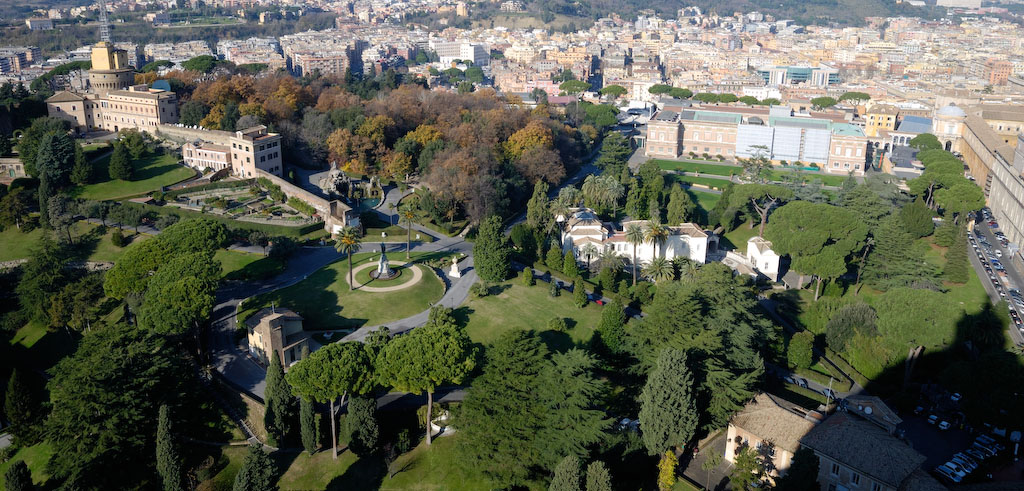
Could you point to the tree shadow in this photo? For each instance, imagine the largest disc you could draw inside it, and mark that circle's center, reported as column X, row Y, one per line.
column 367, row 473
column 978, row 365
column 557, row 341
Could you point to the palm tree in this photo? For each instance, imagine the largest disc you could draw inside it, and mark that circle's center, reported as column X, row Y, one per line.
column 590, row 251
column 348, row 243
column 406, row 213
column 614, row 190
column 686, row 266
column 609, row 258
column 659, row 269
column 635, row 236
column 656, row 234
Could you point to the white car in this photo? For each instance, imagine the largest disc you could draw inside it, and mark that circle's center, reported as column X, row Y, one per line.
column 948, row 474
column 966, row 462
column 955, row 469
column 944, row 425
column 955, row 397
column 999, row 253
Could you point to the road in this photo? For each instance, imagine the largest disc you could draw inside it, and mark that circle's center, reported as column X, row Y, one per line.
column 997, row 290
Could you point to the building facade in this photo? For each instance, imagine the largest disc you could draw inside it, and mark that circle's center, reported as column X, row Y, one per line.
column 242, row 151
column 113, row 102
column 276, row 330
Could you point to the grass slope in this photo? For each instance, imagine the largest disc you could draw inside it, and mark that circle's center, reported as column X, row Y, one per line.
column 519, row 307
column 151, row 172
column 35, row 458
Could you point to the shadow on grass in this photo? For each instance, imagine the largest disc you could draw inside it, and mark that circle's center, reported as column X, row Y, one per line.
column 367, row 473
column 558, row 341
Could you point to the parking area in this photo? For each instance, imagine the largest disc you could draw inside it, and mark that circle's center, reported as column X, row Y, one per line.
column 935, row 444
column 991, row 258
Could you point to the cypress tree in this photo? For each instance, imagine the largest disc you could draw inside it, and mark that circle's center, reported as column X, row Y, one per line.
column 120, row 166
column 569, row 266
column 81, row 172
column 668, row 411
column 492, row 255
column 610, row 331
column 554, row 259
column 956, row 269
column 598, row 477
column 279, row 402
column 5, row 144
column 894, row 261
column 579, row 294
column 361, row 425
column 681, row 208
column 917, row 218
column 309, row 421
column 23, row 406
column 18, row 477
column 257, row 472
column 567, row 475
column 168, row 460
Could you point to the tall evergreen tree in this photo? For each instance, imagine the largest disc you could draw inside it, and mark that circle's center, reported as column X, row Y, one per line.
column 538, row 214
column 23, row 405
column 280, row 404
column 956, row 269
column 257, row 472
column 610, row 334
column 120, row 166
column 573, row 421
column 668, row 410
column 168, row 459
column 567, row 475
column 309, row 421
column 18, row 477
column 894, row 261
column 5, row 144
column 917, row 218
column 81, row 171
column 681, row 208
column 500, row 414
column 361, row 425
column 569, row 265
column 492, row 255
column 598, row 477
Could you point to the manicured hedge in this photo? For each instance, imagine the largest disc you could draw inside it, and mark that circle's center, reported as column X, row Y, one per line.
column 171, row 195
column 279, row 230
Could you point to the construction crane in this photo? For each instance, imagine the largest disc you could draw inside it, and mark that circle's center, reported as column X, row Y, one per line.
column 104, row 22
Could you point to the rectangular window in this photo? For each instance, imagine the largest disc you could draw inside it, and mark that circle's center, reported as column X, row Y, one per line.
column 835, row 469
column 876, row 487
column 855, row 479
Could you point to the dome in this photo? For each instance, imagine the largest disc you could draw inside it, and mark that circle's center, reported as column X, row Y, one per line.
column 951, row 111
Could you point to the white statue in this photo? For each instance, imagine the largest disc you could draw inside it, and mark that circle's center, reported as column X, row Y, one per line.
column 455, row 273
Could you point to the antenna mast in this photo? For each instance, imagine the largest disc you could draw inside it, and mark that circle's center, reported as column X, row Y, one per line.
column 104, row 23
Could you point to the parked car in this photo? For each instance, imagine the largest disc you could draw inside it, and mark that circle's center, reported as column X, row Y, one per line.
column 944, row 425
column 976, row 454
column 964, row 461
column 989, row 452
column 933, row 419
column 989, row 442
column 955, row 397
column 918, row 409
column 802, row 382
column 999, row 253
column 831, row 394
column 947, row 474
column 957, row 468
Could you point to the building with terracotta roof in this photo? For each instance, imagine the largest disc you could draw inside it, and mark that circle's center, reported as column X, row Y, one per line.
column 583, row 227
column 113, row 102
column 276, row 330
column 770, row 420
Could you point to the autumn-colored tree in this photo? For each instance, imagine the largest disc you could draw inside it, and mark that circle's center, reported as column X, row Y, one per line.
column 335, row 98
column 424, row 134
column 538, row 163
column 534, row 135
column 396, row 165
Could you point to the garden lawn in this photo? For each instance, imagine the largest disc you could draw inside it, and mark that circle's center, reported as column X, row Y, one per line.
column 35, row 458
column 325, row 301
column 705, row 202
column 151, row 173
column 374, row 226
column 519, row 307
column 17, row 245
column 434, row 468
column 729, row 170
column 320, row 471
column 236, row 265
column 739, row 237
column 711, row 182
column 29, row 334
column 225, row 479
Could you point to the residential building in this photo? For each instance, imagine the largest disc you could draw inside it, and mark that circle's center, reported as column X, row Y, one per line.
column 769, row 420
column 997, row 72
column 39, row 24
column 113, row 103
column 276, row 330
column 242, row 151
column 856, row 454
column 449, row 52
column 664, row 135
column 880, row 117
column 11, row 168
column 583, row 227
column 763, row 259
column 791, row 75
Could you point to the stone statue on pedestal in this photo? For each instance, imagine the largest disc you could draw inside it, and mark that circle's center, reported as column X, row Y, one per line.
column 455, row 273
column 384, row 271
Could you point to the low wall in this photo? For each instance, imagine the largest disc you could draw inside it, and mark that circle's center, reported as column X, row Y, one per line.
column 335, row 213
column 182, row 134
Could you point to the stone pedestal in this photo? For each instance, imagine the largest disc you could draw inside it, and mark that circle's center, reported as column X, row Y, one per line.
column 454, row 272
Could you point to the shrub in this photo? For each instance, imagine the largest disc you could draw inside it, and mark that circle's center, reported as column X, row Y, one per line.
column 479, row 290
column 528, row 279
column 117, row 238
column 554, row 290
column 302, row 206
column 705, row 155
column 579, row 295
column 719, row 157
column 557, row 324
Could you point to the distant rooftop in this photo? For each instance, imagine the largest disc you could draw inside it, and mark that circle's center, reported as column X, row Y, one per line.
column 915, row 124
